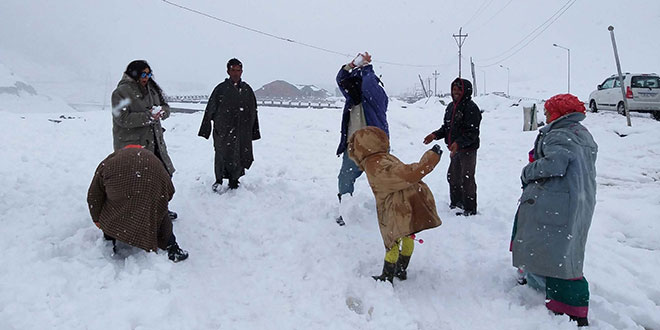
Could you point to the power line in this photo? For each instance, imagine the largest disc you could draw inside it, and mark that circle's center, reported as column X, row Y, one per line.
column 531, row 33
column 253, row 30
column 291, row 40
column 483, row 6
column 544, row 26
column 493, row 16
column 527, row 43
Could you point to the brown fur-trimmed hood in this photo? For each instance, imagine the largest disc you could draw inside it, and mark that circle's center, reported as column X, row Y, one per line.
column 366, row 142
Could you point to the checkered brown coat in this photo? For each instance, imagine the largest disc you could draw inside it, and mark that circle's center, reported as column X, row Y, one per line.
column 128, row 197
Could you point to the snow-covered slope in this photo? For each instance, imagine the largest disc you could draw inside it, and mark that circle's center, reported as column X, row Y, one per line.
column 270, row 255
column 16, row 95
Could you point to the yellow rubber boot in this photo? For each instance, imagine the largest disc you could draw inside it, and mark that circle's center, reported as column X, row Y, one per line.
column 407, row 247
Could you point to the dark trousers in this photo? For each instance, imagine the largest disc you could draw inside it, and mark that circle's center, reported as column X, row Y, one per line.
column 165, row 234
column 227, row 169
column 462, row 186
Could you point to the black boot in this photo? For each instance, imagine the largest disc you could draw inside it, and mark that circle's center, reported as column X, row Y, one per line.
column 466, row 213
column 114, row 242
column 233, row 183
column 456, row 205
column 340, row 219
column 175, row 253
column 216, row 186
column 401, row 266
column 388, row 272
column 581, row 321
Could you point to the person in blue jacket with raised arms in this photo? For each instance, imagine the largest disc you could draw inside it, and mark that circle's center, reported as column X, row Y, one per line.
column 366, row 105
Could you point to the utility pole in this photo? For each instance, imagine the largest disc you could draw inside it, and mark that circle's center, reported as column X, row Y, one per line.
column 508, row 75
column 484, row 72
column 460, row 39
column 422, row 82
column 474, row 78
column 569, row 64
column 618, row 67
column 428, row 80
column 435, row 87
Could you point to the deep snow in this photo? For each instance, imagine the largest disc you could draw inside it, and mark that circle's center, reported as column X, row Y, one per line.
column 270, row 255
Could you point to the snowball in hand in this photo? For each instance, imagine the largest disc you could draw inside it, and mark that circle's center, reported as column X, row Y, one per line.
column 156, row 110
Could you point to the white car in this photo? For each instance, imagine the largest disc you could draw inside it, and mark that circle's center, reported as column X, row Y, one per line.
column 642, row 92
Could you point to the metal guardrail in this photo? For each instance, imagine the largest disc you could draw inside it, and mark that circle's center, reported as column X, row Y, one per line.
column 267, row 103
column 184, row 110
column 299, row 104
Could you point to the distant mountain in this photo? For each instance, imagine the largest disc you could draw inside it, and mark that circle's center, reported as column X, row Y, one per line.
column 14, row 85
column 311, row 91
column 18, row 96
column 282, row 90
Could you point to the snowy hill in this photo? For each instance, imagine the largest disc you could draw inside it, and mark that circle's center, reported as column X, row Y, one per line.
column 18, row 96
column 270, row 256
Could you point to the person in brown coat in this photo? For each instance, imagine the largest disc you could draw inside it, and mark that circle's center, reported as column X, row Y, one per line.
column 404, row 203
column 128, row 200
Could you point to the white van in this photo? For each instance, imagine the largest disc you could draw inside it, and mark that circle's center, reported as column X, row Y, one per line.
column 642, row 92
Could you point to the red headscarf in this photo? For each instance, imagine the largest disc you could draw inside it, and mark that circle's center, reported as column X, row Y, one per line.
column 562, row 104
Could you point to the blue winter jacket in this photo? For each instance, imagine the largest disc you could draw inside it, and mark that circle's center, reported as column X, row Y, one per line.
column 558, row 200
column 374, row 102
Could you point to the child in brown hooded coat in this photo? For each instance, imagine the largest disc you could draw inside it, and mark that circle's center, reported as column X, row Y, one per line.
column 404, row 203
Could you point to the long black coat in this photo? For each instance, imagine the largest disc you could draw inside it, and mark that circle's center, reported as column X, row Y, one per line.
column 233, row 111
column 461, row 121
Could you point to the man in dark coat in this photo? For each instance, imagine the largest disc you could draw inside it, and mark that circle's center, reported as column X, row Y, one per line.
column 460, row 130
column 233, row 109
column 128, row 200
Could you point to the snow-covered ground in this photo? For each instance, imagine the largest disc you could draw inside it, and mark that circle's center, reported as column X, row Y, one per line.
column 270, row 255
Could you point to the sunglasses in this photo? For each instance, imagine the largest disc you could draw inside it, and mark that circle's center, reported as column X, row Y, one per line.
column 146, row 75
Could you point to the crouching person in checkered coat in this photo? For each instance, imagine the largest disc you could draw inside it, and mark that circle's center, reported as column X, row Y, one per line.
column 128, row 200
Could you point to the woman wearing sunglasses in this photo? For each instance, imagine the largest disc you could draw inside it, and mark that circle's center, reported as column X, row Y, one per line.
column 138, row 107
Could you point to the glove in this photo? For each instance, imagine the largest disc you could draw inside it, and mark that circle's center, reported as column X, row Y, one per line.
column 531, row 156
column 436, row 149
column 429, row 138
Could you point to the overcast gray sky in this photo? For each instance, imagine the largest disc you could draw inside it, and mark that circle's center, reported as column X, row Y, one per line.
column 91, row 42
